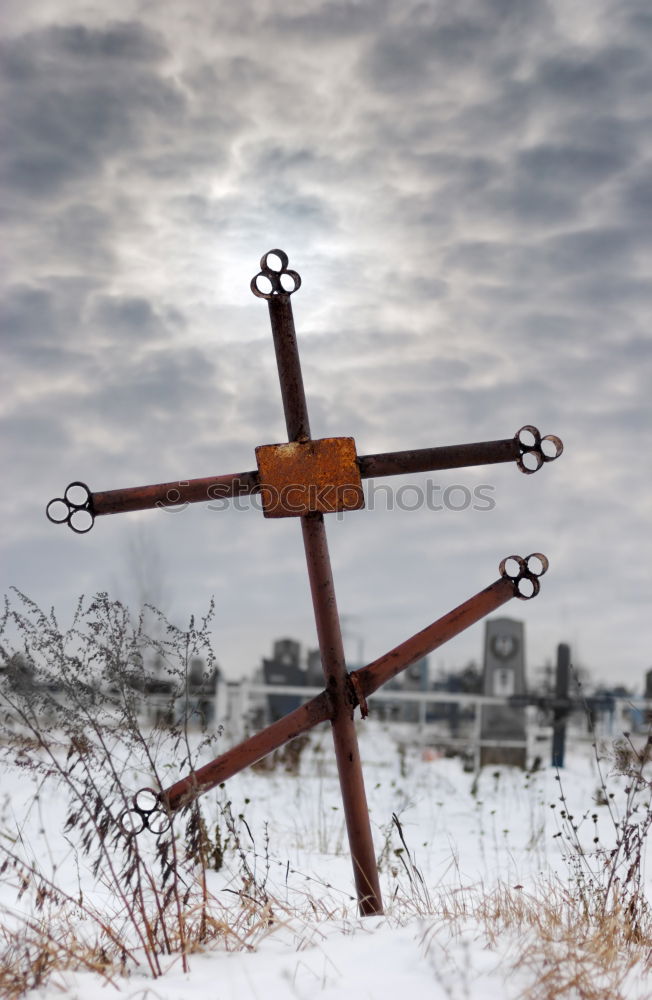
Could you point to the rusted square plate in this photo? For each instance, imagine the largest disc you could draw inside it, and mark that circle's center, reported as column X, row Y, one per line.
column 305, row 476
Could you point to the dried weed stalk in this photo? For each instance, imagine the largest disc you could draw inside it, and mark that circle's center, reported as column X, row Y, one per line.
column 71, row 712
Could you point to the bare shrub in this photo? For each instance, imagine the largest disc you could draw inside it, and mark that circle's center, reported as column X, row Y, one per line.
column 71, row 712
column 607, row 878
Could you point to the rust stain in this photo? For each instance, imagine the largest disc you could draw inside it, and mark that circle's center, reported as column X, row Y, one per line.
column 306, row 477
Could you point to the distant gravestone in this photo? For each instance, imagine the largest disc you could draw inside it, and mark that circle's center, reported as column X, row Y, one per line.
column 503, row 737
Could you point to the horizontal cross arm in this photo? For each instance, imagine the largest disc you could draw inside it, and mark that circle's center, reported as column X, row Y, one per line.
column 527, row 448
column 398, row 463
column 174, row 494
column 78, row 507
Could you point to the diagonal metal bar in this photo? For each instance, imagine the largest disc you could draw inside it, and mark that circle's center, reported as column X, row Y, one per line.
column 360, row 685
column 368, row 679
column 318, row 709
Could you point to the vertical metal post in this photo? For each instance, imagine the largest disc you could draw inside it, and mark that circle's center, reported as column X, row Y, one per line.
column 560, row 712
column 293, row 393
column 329, row 632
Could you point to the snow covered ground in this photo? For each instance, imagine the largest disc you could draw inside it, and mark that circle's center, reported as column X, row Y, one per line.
column 465, row 864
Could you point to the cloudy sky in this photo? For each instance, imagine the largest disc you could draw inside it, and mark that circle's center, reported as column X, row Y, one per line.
column 466, row 190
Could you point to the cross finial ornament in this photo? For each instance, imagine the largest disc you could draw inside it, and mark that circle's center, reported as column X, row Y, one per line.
column 308, row 478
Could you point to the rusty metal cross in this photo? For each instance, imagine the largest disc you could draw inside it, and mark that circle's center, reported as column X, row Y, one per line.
column 308, row 478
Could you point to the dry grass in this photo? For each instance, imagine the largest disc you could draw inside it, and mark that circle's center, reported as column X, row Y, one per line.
column 547, row 935
column 562, row 951
column 39, row 950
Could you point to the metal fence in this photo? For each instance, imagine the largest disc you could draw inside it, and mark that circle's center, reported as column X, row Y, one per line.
column 242, row 708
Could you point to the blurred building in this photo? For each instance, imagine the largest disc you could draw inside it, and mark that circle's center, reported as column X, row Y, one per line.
column 314, row 672
column 283, row 669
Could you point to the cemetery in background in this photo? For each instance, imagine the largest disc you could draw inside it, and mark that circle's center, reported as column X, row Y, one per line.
column 489, row 714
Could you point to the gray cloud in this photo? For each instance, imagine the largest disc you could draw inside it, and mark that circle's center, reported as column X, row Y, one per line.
column 466, row 194
column 76, row 99
column 133, row 316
